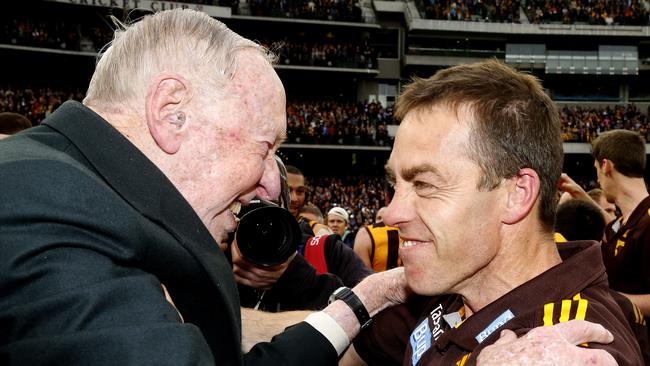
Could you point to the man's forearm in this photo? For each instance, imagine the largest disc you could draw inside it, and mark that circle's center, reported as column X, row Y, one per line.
column 260, row 326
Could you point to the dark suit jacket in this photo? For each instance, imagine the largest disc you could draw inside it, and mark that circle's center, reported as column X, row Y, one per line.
column 89, row 229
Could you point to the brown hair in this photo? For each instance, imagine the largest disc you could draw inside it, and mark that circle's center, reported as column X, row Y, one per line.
column 11, row 123
column 515, row 124
column 626, row 149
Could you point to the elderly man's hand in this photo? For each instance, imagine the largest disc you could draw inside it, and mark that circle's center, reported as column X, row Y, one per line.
column 381, row 290
column 249, row 274
column 555, row 345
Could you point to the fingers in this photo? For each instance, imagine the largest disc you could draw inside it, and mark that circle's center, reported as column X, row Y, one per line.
column 249, row 274
column 506, row 336
column 580, row 331
column 596, row 357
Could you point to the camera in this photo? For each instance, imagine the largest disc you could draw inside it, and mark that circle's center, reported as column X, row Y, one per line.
column 267, row 234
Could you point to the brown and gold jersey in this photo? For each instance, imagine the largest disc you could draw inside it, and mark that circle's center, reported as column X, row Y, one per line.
column 385, row 247
column 626, row 251
column 438, row 333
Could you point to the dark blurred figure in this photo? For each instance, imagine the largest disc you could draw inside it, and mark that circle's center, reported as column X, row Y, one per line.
column 579, row 220
column 11, row 123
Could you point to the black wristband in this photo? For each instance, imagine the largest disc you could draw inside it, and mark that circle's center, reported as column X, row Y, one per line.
column 355, row 304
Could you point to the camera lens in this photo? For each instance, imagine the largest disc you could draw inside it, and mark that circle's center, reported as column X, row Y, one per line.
column 267, row 234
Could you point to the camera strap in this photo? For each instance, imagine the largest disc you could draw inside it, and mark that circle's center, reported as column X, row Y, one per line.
column 259, row 299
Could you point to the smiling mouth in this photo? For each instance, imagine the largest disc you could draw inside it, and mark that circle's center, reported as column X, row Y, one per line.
column 410, row 243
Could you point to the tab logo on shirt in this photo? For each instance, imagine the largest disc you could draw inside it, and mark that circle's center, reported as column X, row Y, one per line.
column 436, row 316
column 496, row 324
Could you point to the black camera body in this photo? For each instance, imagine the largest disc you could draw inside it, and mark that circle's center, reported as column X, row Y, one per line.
column 267, row 234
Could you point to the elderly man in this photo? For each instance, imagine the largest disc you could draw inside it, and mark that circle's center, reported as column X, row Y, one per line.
column 475, row 164
column 111, row 199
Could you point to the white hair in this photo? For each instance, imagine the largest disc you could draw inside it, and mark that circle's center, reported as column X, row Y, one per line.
column 182, row 41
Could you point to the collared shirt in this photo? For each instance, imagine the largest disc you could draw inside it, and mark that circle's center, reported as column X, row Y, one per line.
column 575, row 289
column 626, row 251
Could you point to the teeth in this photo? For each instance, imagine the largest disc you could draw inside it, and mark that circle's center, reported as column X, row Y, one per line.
column 408, row 243
column 235, row 207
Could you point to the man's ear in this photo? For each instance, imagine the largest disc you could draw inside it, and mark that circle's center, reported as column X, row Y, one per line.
column 523, row 190
column 607, row 167
column 166, row 98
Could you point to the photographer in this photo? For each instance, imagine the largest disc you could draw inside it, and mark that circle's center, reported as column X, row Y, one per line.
column 271, row 276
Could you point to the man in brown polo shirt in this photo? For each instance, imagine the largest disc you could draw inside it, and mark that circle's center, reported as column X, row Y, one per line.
column 475, row 166
column 620, row 164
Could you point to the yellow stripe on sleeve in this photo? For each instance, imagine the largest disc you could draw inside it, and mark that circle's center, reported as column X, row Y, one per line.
column 548, row 314
column 565, row 311
column 582, row 309
column 463, row 360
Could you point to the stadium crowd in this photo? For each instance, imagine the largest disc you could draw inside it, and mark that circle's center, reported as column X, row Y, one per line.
column 23, row 31
column 349, row 123
column 584, row 124
column 360, row 196
column 606, row 12
column 470, row 10
column 343, row 11
column 45, row 32
column 610, row 12
column 329, row 54
column 37, row 103
column 330, row 122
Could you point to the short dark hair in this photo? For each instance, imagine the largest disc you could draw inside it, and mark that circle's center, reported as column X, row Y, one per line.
column 579, row 220
column 293, row 170
column 626, row 149
column 515, row 124
column 11, row 123
column 311, row 208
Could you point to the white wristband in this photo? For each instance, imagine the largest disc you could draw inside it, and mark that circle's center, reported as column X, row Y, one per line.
column 329, row 328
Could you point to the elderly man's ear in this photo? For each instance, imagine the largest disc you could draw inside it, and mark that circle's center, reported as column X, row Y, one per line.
column 523, row 190
column 166, row 98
